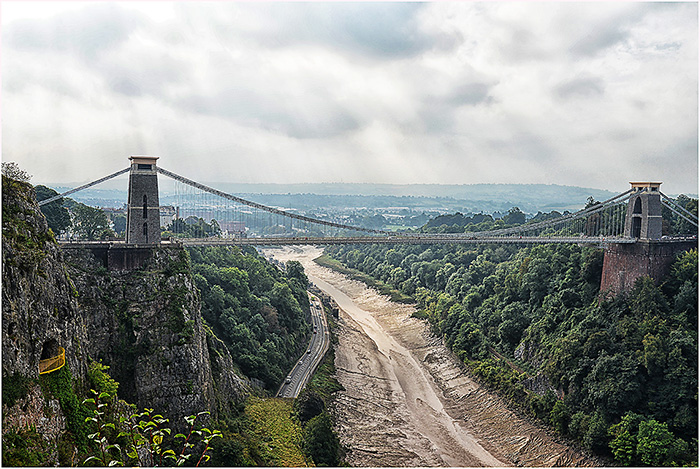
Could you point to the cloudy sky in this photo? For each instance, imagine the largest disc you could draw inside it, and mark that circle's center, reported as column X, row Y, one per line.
column 587, row 94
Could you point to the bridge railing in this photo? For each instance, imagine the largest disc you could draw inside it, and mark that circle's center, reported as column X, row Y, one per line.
column 54, row 363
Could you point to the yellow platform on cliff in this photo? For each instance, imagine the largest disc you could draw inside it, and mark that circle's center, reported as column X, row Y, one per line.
column 54, row 363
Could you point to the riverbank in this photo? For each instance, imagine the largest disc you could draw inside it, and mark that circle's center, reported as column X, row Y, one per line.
column 407, row 400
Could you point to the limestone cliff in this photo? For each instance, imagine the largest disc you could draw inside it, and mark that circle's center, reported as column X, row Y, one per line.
column 39, row 305
column 145, row 323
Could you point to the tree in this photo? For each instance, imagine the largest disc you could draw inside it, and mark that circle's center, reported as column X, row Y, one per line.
column 624, row 442
column 89, row 222
column 119, row 222
column 654, row 442
column 296, row 271
column 12, row 170
column 320, row 441
column 514, row 217
column 559, row 417
column 56, row 214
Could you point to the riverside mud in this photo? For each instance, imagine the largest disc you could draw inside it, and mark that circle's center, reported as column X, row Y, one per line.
column 407, row 399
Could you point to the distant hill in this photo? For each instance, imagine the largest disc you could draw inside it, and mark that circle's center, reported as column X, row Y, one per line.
column 459, row 197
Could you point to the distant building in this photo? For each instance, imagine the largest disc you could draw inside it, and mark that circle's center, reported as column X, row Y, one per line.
column 232, row 228
column 168, row 213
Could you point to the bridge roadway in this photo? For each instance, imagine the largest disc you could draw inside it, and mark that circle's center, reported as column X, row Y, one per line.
column 403, row 239
column 306, row 365
column 399, row 239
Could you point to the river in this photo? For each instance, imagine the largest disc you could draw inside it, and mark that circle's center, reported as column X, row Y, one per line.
column 407, row 401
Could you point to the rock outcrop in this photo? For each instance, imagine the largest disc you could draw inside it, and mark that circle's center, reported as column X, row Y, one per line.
column 146, row 324
column 39, row 301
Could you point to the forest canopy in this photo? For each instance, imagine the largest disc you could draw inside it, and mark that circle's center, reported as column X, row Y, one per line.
column 620, row 372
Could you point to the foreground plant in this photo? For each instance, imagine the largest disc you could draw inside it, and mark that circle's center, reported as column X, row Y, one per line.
column 145, row 438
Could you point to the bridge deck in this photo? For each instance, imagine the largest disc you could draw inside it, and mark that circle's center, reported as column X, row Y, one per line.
column 278, row 241
column 399, row 239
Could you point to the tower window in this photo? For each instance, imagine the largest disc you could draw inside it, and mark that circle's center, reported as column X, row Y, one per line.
column 144, row 166
column 637, row 206
column 145, row 206
column 145, row 232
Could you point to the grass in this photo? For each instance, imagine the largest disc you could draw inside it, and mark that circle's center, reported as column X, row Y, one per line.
column 323, row 381
column 333, row 264
column 279, row 432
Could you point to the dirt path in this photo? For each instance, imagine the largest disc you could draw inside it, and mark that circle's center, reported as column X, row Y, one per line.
column 407, row 400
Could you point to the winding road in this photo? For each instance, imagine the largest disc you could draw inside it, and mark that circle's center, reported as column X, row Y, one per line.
column 306, row 365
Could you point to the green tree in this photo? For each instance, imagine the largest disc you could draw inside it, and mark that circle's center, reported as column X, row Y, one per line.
column 321, row 442
column 12, row 170
column 624, row 438
column 119, row 222
column 559, row 417
column 514, row 217
column 296, row 271
column 654, row 443
column 56, row 214
column 89, row 222
column 596, row 438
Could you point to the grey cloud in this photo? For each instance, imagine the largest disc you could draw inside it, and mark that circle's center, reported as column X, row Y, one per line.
column 126, row 86
column 140, row 72
column 600, row 38
column 525, row 145
column 379, row 30
column 471, row 94
column 616, row 29
column 438, row 111
column 583, row 87
column 668, row 46
column 85, row 32
column 524, row 45
column 315, row 117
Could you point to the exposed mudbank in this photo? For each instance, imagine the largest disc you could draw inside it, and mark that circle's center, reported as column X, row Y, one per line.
column 407, row 400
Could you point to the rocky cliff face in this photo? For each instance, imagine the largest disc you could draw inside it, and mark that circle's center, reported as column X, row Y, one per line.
column 39, row 305
column 145, row 324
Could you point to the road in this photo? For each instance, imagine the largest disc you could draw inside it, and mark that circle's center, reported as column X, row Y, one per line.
column 305, row 367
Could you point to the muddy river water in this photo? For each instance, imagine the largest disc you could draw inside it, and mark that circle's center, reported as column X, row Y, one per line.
column 407, row 400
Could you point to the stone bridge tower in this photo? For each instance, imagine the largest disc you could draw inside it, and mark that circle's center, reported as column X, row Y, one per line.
column 651, row 255
column 143, row 209
column 643, row 219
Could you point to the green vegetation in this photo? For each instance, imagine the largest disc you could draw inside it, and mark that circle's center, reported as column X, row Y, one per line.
column 143, row 439
column 256, row 310
column 24, row 448
column 514, row 314
column 192, row 228
column 272, row 421
column 100, row 380
column 59, row 384
column 15, row 387
column 383, row 288
column 22, row 239
column 11, row 170
column 56, row 214
column 320, row 441
column 90, row 222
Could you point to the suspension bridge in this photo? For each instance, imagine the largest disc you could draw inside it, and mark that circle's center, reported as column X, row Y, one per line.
column 211, row 217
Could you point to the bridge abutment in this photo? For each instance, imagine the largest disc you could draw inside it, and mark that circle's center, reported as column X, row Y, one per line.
column 623, row 264
column 651, row 255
